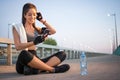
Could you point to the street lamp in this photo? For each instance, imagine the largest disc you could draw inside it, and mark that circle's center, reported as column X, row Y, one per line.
column 116, row 37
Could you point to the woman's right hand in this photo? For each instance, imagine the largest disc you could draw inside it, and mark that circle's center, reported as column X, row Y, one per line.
column 39, row 16
column 38, row 39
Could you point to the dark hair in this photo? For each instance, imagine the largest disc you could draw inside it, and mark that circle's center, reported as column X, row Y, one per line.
column 26, row 8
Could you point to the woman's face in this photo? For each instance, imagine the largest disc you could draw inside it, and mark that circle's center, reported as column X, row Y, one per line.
column 30, row 16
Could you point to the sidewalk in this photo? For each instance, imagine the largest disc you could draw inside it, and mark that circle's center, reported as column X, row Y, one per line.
column 99, row 68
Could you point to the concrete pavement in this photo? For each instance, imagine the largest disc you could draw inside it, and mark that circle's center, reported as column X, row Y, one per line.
column 99, row 68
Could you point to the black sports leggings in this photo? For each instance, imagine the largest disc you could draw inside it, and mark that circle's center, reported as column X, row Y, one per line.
column 26, row 56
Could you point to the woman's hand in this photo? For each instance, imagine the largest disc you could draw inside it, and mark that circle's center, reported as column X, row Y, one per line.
column 39, row 16
column 48, row 26
column 38, row 39
column 41, row 38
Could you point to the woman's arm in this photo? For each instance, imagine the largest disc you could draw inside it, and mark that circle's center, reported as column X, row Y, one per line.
column 52, row 30
column 17, row 42
column 40, row 18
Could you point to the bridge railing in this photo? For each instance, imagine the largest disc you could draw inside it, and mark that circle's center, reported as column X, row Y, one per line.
column 9, row 49
column 42, row 50
column 48, row 49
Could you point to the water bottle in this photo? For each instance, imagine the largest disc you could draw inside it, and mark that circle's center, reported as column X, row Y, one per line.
column 83, row 64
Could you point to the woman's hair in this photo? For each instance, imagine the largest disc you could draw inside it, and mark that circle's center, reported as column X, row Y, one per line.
column 26, row 8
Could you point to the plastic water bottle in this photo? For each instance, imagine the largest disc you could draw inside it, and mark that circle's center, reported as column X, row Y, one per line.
column 83, row 64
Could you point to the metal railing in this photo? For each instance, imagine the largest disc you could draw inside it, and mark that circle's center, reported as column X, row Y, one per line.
column 10, row 54
column 42, row 51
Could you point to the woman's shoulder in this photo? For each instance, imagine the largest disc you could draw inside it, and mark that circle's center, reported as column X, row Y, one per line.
column 19, row 27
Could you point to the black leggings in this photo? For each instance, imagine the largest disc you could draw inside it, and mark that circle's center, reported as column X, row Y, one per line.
column 26, row 56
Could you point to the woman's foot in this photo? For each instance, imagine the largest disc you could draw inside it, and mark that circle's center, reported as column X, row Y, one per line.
column 62, row 68
column 57, row 69
column 29, row 71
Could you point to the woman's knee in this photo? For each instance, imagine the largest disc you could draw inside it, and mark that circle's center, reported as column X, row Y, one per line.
column 25, row 57
column 61, row 55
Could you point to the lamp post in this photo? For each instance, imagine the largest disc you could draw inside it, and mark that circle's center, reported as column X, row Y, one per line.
column 116, row 37
column 8, row 30
column 9, row 24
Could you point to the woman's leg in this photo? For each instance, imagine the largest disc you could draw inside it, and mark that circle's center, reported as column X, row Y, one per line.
column 28, row 59
column 38, row 64
column 55, row 59
column 19, row 67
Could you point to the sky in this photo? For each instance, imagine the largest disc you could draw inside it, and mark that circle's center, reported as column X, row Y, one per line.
column 80, row 24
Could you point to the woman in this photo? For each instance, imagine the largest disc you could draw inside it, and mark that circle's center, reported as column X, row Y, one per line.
column 27, row 36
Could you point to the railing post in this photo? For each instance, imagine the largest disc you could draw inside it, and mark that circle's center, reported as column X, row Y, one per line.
column 52, row 51
column 68, row 54
column 9, row 54
column 43, row 52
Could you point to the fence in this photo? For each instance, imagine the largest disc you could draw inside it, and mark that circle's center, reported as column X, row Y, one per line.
column 42, row 50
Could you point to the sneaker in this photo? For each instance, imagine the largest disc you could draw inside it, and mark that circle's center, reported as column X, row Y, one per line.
column 27, row 70
column 62, row 68
column 30, row 71
column 35, row 71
